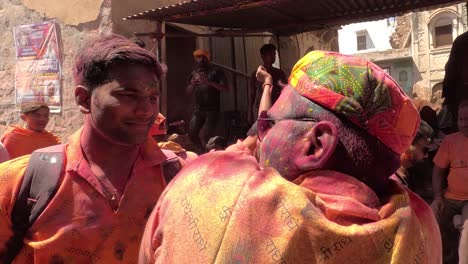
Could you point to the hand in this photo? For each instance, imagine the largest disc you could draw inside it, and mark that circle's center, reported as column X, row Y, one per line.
column 262, row 75
column 437, row 205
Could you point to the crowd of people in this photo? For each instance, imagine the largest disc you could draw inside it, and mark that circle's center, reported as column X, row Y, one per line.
column 339, row 166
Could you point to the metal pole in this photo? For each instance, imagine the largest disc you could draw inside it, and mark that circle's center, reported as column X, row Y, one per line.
column 233, row 54
column 164, row 60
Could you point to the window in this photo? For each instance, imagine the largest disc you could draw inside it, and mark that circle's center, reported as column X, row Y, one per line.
column 361, row 42
column 443, row 35
column 443, row 27
column 403, row 76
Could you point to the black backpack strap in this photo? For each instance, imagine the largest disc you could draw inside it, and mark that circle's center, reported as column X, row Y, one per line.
column 171, row 166
column 39, row 185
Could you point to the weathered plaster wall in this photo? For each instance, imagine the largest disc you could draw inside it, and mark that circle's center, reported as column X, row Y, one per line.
column 74, row 12
column 429, row 60
column 402, row 31
column 14, row 13
column 376, row 32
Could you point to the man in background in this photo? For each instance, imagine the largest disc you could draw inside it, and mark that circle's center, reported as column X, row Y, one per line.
column 206, row 82
column 451, row 165
column 21, row 141
column 268, row 54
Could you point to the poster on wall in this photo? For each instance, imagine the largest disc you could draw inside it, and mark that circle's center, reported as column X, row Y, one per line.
column 38, row 64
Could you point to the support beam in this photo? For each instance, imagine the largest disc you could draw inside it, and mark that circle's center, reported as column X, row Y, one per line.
column 191, row 35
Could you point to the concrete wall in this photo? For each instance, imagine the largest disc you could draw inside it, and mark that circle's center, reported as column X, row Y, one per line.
column 377, row 33
column 413, row 31
column 401, row 37
column 395, row 60
column 75, row 27
column 397, row 69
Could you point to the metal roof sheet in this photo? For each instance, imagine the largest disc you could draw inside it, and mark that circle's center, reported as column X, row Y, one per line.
column 282, row 17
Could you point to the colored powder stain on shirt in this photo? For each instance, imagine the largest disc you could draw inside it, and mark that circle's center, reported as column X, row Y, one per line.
column 21, row 141
column 452, row 155
column 79, row 224
column 321, row 217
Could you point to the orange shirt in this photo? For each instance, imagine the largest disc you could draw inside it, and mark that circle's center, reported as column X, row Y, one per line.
column 21, row 141
column 453, row 155
column 223, row 208
column 79, row 225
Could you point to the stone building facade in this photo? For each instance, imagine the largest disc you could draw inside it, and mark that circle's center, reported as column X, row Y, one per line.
column 420, row 47
column 431, row 37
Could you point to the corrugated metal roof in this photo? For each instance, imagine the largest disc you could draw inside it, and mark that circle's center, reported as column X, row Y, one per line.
column 283, row 17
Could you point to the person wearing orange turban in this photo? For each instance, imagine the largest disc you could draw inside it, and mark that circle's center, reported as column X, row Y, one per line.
column 206, row 84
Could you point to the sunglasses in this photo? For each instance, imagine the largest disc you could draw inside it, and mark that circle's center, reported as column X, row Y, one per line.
column 264, row 123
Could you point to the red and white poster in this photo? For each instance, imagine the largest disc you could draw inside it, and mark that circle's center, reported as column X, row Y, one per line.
column 38, row 64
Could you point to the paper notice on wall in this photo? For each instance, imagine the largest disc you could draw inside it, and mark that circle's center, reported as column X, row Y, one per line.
column 38, row 64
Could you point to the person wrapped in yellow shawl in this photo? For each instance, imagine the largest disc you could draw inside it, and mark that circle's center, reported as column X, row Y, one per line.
column 320, row 192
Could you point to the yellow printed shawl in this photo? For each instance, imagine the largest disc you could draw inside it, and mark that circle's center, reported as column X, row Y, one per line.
column 223, row 208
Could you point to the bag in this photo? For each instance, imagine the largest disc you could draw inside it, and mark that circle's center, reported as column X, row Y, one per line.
column 34, row 195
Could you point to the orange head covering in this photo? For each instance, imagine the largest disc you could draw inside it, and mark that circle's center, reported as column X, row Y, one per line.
column 159, row 126
column 202, row 52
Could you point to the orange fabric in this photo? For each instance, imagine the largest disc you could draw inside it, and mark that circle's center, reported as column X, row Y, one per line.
column 21, row 141
column 453, row 155
column 202, row 52
column 79, row 225
column 159, row 126
column 226, row 209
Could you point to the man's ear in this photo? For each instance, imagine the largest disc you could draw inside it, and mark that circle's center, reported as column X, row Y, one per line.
column 83, row 99
column 23, row 117
column 317, row 147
